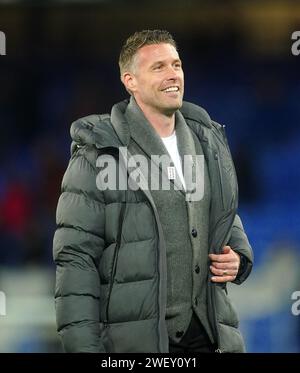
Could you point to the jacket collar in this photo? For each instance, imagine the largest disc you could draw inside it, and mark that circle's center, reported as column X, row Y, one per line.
column 119, row 122
column 185, row 139
column 142, row 132
column 195, row 113
column 102, row 131
column 188, row 111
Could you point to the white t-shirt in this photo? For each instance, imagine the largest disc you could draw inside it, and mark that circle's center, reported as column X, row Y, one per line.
column 170, row 143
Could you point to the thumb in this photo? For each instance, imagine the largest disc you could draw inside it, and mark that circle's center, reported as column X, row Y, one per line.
column 226, row 249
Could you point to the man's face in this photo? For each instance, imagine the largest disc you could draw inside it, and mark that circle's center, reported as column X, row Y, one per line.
column 157, row 80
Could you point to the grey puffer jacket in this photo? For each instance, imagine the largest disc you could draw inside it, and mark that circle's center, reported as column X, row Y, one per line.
column 110, row 251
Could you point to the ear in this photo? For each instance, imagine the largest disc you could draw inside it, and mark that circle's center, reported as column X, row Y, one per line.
column 129, row 81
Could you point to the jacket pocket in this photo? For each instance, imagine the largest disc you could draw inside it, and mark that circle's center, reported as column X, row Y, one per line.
column 231, row 339
column 226, row 313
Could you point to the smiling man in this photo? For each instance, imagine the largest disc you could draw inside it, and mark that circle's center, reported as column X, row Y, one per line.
column 141, row 269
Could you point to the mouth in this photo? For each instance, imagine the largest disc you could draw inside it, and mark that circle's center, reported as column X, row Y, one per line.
column 171, row 89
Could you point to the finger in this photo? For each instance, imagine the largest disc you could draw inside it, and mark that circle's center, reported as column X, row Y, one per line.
column 231, row 257
column 220, row 272
column 226, row 249
column 238, row 258
column 223, row 278
column 220, row 258
column 226, row 265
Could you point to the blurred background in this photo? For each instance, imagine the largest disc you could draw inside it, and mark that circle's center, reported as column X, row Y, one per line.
column 61, row 64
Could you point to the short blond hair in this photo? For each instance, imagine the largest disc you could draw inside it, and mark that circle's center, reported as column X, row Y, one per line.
column 137, row 41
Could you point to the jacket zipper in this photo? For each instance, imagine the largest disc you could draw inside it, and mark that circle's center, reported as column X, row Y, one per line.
column 115, row 261
column 219, row 165
column 227, row 146
column 160, row 263
column 220, row 180
column 159, row 228
column 225, row 137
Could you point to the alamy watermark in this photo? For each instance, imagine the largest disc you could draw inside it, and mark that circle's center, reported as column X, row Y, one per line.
column 136, row 172
column 296, row 305
column 296, row 45
column 2, row 44
column 2, row 304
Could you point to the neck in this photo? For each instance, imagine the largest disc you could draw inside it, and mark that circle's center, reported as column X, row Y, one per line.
column 163, row 124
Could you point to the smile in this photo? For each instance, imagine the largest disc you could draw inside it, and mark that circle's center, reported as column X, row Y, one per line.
column 171, row 89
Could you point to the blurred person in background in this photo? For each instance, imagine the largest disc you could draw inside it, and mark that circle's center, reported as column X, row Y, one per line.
column 146, row 270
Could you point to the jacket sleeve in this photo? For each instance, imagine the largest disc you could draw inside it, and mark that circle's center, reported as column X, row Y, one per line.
column 77, row 247
column 238, row 241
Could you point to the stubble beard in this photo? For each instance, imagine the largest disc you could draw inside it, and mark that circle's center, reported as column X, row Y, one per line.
column 171, row 109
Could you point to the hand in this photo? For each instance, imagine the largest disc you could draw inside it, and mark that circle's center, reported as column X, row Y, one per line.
column 225, row 266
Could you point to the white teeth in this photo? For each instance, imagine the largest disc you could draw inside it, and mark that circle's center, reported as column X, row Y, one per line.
column 171, row 89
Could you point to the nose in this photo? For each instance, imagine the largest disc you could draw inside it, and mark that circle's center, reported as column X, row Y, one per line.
column 172, row 73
